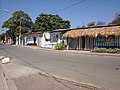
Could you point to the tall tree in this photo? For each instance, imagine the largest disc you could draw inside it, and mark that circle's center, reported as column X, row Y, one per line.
column 19, row 19
column 116, row 20
column 49, row 22
column 35, row 27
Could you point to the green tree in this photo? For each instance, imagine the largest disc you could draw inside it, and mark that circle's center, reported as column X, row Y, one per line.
column 116, row 20
column 35, row 28
column 91, row 24
column 19, row 19
column 49, row 22
column 2, row 37
column 10, row 33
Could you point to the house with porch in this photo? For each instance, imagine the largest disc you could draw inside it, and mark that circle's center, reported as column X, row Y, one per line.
column 88, row 38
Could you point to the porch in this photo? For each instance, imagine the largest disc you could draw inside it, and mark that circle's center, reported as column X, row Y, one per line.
column 95, row 37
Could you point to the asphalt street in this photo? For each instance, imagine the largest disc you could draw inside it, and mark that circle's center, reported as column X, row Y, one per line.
column 100, row 71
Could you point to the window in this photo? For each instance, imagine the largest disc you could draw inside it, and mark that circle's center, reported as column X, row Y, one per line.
column 55, row 38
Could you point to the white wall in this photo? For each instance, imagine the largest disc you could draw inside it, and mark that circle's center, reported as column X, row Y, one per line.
column 45, row 40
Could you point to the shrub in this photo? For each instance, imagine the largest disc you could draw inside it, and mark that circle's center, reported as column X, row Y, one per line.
column 100, row 50
column 59, row 46
column 117, row 50
column 111, row 50
column 104, row 50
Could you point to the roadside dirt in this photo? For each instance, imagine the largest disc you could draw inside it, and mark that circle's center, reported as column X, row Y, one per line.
column 42, row 82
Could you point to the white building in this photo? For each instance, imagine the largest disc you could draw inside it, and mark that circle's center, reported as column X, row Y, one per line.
column 42, row 39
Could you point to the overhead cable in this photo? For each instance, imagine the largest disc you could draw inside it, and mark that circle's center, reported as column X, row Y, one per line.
column 69, row 6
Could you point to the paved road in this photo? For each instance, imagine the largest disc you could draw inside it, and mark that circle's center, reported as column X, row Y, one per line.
column 100, row 71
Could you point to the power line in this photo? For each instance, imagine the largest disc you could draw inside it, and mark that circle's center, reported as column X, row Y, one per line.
column 91, row 5
column 69, row 6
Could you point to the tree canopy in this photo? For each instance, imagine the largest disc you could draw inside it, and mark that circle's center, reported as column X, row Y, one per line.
column 91, row 24
column 19, row 19
column 96, row 23
column 34, row 27
column 49, row 22
column 116, row 20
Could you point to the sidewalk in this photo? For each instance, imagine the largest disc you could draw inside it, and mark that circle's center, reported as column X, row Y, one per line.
column 91, row 53
column 73, row 51
column 3, row 82
column 1, row 79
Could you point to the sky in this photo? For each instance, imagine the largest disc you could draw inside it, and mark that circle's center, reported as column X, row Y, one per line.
column 79, row 15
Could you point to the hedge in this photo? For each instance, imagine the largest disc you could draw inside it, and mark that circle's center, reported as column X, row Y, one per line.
column 104, row 50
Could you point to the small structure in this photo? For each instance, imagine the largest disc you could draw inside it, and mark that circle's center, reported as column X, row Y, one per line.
column 88, row 38
column 34, row 38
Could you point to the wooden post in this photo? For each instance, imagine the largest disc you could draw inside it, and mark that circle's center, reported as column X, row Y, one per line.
column 67, row 44
column 78, row 43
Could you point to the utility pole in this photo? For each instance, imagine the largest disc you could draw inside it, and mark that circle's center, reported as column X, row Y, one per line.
column 20, row 34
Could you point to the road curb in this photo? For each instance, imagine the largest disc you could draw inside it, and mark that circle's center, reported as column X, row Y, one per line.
column 4, row 81
column 97, row 54
column 8, row 83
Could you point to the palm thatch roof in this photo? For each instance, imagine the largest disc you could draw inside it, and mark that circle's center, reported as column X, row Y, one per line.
column 93, row 32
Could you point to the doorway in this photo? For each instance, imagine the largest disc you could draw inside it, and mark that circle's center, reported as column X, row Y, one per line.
column 83, row 43
column 34, row 38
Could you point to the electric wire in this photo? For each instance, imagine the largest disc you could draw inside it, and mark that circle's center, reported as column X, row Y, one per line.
column 69, row 6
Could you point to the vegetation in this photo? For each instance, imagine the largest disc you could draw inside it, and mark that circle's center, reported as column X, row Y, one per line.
column 59, row 46
column 21, row 23
column 18, row 20
column 104, row 50
column 96, row 23
column 100, row 23
column 34, row 27
column 91, row 24
column 2, row 37
column 49, row 22
column 116, row 20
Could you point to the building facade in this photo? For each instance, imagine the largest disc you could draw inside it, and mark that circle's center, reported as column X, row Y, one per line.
column 93, row 37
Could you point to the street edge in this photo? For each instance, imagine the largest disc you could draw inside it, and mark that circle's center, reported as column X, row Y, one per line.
column 72, row 51
column 4, row 81
column 8, row 83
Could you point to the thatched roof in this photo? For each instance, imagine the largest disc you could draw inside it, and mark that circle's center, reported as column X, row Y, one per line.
column 93, row 32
